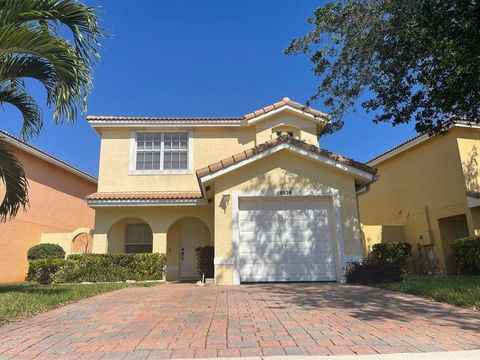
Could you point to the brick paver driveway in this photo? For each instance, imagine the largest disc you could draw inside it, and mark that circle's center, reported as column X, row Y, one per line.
column 181, row 320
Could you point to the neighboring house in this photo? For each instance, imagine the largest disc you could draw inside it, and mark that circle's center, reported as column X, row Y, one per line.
column 257, row 187
column 428, row 194
column 57, row 211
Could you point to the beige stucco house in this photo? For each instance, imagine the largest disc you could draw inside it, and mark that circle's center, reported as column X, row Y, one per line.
column 275, row 205
column 428, row 194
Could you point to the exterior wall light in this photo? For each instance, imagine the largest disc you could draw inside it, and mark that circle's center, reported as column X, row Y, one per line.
column 226, row 198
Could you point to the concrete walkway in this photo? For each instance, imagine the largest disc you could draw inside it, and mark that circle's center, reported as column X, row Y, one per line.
column 184, row 321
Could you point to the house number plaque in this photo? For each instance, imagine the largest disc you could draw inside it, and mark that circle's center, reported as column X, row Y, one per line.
column 285, row 192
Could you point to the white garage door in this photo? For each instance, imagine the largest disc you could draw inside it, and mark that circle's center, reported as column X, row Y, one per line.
column 285, row 239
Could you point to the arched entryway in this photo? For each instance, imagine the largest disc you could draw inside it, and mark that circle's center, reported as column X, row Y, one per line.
column 82, row 241
column 183, row 237
column 130, row 235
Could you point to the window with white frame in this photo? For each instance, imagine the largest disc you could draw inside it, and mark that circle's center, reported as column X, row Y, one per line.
column 139, row 239
column 161, row 151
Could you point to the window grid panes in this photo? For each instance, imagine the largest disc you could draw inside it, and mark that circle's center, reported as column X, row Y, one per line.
column 139, row 238
column 162, row 151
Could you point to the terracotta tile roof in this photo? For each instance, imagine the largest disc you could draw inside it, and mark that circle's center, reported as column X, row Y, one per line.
column 145, row 195
column 284, row 102
column 23, row 145
column 222, row 164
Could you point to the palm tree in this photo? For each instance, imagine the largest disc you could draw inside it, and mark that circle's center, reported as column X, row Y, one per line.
column 31, row 47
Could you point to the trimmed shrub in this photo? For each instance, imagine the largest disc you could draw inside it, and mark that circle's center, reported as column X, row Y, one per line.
column 466, row 254
column 45, row 251
column 395, row 254
column 204, row 256
column 43, row 271
column 372, row 273
column 100, row 268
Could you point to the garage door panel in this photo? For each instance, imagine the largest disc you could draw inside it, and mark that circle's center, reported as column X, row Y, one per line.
column 287, row 272
column 285, row 239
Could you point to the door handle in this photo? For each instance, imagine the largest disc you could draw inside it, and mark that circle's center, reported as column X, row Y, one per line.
column 183, row 253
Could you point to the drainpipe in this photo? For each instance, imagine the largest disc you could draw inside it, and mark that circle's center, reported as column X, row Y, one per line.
column 358, row 192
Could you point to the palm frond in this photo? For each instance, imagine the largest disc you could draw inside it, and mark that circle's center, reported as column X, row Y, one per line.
column 73, row 76
column 79, row 18
column 15, row 68
column 15, row 182
column 16, row 95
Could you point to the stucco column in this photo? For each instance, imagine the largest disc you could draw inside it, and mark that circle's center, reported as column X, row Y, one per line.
column 160, row 242
column 100, row 244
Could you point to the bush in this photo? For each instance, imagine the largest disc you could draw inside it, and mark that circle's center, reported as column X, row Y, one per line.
column 43, row 270
column 45, row 251
column 101, row 268
column 204, row 257
column 395, row 254
column 372, row 273
column 466, row 254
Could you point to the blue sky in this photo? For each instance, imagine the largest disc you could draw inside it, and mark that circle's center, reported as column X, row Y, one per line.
column 200, row 58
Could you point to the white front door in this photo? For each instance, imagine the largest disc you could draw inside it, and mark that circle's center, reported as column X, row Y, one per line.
column 286, row 239
column 193, row 234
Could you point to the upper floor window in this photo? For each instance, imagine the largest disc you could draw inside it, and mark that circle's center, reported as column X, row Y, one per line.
column 161, row 151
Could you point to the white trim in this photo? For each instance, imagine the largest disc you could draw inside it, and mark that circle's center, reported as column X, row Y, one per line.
column 223, row 261
column 132, row 170
column 143, row 202
column 331, row 193
column 345, row 168
column 164, row 123
column 413, row 142
column 473, row 202
column 48, row 158
column 317, row 119
column 398, row 150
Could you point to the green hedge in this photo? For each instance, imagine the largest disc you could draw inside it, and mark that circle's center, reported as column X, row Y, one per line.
column 395, row 254
column 466, row 254
column 45, row 251
column 98, row 268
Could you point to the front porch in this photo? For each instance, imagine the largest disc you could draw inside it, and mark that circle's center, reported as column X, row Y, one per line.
column 174, row 230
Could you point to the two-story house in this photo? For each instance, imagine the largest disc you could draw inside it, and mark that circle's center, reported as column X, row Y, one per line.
column 258, row 187
column 428, row 194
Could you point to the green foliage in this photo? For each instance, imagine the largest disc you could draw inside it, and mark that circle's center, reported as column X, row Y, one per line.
column 412, row 60
column 45, row 251
column 395, row 254
column 43, row 270
column 18, row 301
column 204, row 257
column 99, row 268
column 466, row 253
column 32, row 45
column 455, row 290
column 372, row 273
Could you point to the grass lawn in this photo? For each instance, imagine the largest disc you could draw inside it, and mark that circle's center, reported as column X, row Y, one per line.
column 456, row 290
column 18, row 301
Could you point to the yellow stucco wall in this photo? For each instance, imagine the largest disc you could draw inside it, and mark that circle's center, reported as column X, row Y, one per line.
column 283, row 170
column 210, row 144
column 418, row 187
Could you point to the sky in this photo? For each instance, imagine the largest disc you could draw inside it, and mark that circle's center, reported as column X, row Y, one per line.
column 200, row 58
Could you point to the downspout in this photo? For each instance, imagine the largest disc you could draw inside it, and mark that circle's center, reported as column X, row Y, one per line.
column 358, row 192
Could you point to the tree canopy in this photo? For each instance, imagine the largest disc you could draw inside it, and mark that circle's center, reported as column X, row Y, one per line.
column 409, row 60
column 32, row 46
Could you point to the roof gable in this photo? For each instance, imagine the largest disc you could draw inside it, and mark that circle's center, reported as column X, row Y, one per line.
column 356, row 169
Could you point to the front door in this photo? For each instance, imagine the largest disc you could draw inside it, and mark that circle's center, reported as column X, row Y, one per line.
column 193, row 234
